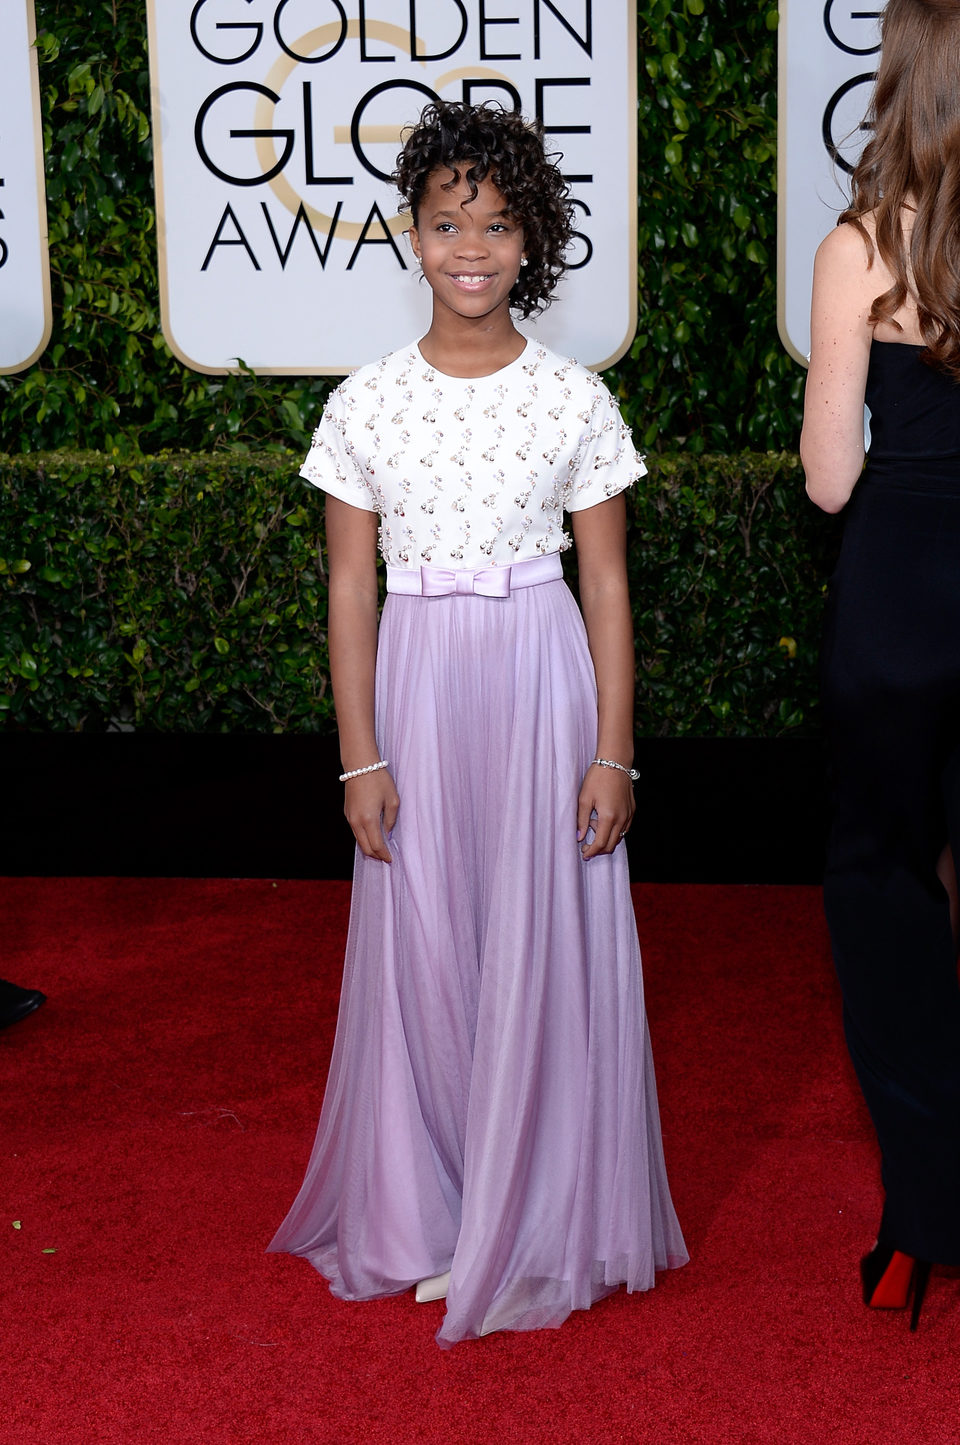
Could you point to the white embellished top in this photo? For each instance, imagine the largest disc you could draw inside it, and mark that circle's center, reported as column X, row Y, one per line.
column 472, row 472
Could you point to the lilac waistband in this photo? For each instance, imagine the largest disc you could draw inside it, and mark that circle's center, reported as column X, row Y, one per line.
column 484, row 582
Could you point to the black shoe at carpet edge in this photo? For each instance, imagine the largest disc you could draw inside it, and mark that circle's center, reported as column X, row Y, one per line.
column 16, row 1002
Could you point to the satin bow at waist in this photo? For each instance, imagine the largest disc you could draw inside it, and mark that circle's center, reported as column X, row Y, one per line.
column 432, row 581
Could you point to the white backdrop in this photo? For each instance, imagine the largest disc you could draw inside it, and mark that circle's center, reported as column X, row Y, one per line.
column 828, row 56
column 276, row 121
column 25, row 315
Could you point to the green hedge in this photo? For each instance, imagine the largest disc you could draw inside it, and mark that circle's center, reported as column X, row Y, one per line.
column 187, row 593
column 729, row 563
column 173, row 592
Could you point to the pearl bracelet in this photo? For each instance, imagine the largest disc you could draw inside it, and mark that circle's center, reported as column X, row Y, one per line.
column 359, row 772
column 631, row 773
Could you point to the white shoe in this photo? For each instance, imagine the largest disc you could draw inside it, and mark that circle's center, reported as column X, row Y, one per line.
column 434, row 1288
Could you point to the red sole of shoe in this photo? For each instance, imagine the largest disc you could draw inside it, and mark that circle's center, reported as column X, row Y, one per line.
column 893, row 1287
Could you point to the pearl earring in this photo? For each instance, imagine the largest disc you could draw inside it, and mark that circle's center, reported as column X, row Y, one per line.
column 523, row 261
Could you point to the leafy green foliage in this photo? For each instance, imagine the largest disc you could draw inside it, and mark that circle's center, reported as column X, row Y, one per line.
column 108, row 379
column 707, row 370
column 189, row 593
column 170, row 592
column 728, row 564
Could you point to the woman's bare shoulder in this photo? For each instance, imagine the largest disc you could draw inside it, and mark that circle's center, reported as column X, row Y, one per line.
column 847, row 247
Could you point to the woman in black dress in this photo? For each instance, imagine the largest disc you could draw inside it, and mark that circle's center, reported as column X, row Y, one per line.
column 886, row 330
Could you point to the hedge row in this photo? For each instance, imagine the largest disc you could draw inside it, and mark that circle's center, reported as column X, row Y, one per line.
column 188, row 593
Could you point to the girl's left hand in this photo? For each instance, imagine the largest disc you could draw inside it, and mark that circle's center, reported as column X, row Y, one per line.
column 606, row 804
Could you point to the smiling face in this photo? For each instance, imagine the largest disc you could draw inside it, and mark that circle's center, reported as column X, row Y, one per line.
column 469, row 246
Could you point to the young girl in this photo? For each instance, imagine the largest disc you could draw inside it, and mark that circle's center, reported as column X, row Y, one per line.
column 886, row 328
column 490, row 1127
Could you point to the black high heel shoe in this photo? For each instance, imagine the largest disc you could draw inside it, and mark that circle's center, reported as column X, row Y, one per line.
column 888, row 1276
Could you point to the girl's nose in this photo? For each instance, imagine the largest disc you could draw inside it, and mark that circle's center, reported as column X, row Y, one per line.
column 472, row 243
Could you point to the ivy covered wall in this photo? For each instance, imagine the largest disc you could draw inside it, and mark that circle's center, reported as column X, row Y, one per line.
column 706, row 371
column 187, row 591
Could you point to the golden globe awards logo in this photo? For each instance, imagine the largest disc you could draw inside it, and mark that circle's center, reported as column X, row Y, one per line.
column 25, row 311
column 277, row 125
column 828, row 58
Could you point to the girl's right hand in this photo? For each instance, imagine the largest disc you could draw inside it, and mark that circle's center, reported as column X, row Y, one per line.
column 371, row 804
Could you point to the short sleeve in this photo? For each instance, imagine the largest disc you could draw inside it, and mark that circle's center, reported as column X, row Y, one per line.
column 606, row 461
column 332, row 463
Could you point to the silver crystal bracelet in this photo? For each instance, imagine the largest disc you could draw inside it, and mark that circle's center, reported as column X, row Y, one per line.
column 359, row 772
column 631, row 773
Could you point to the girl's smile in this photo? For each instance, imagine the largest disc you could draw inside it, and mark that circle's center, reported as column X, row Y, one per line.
column 471, row 281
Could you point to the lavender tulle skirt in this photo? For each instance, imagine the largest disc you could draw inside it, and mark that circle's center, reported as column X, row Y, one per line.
column 491, row 1106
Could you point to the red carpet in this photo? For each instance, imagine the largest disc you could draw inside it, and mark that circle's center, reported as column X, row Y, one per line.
column 158, row 1111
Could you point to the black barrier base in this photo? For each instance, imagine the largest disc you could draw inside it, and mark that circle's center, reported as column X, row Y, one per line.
column 160, row 805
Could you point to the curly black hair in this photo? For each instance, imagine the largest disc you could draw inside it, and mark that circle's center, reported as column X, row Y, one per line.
column 501, row 145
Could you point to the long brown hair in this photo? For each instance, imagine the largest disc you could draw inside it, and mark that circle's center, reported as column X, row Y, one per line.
column 912, row 162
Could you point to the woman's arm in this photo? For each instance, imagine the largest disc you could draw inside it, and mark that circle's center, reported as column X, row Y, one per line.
column 371, row 802
column 600, row 533
column 831, row 443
